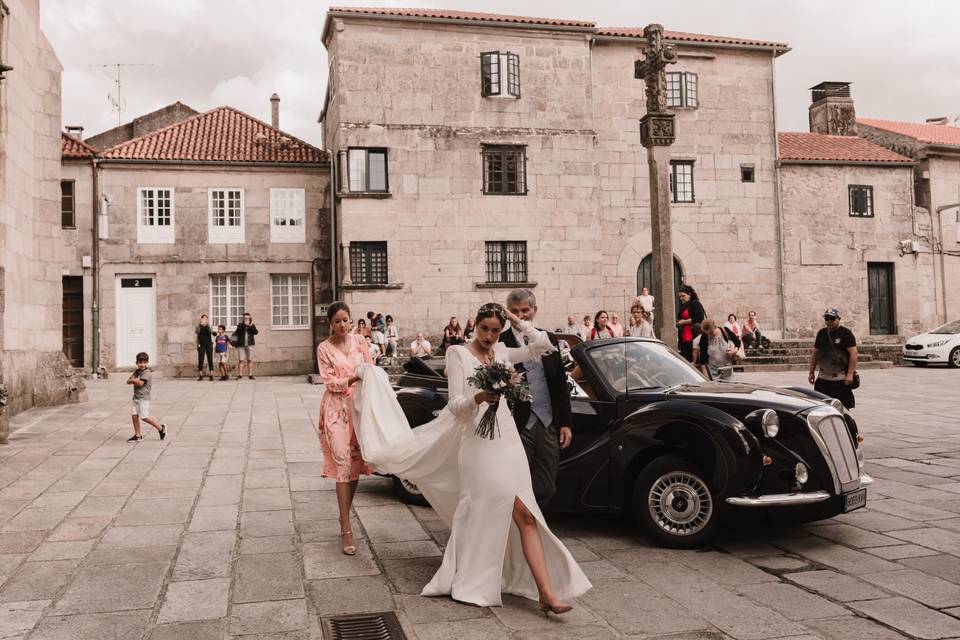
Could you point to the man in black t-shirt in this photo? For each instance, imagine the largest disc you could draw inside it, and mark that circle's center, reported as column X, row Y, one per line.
column 835, row 353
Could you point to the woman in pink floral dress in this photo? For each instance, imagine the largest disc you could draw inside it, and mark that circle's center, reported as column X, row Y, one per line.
column 337, row 360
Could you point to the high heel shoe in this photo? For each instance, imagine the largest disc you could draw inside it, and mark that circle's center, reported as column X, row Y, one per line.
column 555, row 609
column 350, row 549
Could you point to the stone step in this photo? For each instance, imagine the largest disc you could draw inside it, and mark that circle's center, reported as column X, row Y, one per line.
column 873, row 364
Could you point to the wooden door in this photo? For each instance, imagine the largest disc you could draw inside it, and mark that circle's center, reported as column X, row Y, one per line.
column 73, row 319
column 880, row 292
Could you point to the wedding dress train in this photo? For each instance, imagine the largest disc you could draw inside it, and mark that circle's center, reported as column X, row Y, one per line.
column 471, row 482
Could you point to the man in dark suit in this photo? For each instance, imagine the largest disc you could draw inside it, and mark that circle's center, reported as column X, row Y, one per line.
column 543, row 423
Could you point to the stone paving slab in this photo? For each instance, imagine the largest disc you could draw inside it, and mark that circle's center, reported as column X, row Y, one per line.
column 227, row 530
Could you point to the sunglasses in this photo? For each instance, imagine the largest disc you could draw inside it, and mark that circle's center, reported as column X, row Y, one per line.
column 829, row 318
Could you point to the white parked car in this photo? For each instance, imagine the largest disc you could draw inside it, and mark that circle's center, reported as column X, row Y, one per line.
column 942, row 345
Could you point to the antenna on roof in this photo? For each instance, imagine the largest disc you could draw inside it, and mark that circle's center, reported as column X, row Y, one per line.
column 117, row 103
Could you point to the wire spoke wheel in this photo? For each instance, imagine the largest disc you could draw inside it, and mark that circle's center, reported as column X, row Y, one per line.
column 680, row 503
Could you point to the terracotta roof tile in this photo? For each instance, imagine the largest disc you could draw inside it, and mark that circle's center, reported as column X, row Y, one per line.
column 223, row 134
column 682, row 36
column 816, row 147
column 928, row 133
column 460, row 15
column 71, row 147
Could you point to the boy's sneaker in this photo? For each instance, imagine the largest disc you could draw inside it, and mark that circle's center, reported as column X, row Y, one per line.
column 251, row 377
column 163, row 431
column 200, row 378
column 211, row 377
column 134, row 438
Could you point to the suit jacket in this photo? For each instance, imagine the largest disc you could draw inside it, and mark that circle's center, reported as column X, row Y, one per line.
column 556, row 377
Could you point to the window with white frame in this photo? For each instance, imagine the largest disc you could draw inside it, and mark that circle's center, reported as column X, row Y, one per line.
column 226, row 216
column 499, row 74
column 367, row 170
column 290, row 300
column 227, row 299
column 155, row 215
column 287, row 215
column 682, row 90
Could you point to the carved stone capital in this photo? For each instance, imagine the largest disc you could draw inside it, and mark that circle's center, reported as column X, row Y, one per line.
column 657, row 130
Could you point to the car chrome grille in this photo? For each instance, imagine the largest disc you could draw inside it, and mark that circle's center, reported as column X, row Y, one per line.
column 914, row 347
column 830, row 432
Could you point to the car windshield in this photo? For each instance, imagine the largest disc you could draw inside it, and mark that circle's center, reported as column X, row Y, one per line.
column 635, row 366
column 950, row 327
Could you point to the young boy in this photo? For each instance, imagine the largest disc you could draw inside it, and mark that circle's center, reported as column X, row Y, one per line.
column 221, row 345
column 141, row 381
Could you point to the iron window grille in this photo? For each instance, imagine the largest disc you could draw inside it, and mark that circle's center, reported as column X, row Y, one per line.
column 68, row 212
column 227, row 299
column 367, row 170
column 368, row 262
column 861, row 200
column 504, row 170
column 289, row 300
column 506, row 261
column 682, row 90
column 499, row 74
column 681, row 181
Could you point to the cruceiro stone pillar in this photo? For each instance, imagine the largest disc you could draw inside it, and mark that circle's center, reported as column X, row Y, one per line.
column 657, row 133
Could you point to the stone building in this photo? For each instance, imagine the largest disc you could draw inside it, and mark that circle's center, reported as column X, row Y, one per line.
column 218, row 213
column 141, row 126
column 935, row 147
column 476, row 152
column 33, row 370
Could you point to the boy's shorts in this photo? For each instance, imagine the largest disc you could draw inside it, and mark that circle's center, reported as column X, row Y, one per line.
column 222, row 357
column 140, row 408
column 246, row 353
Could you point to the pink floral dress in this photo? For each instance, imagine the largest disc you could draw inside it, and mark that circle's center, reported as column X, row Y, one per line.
column 341, row 451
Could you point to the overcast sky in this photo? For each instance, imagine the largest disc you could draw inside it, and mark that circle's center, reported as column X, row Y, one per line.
column 902, row 57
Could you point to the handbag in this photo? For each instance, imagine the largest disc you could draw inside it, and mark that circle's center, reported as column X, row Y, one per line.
column 234, row 339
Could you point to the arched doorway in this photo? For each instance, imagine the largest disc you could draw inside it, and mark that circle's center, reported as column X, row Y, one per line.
column 645, row 277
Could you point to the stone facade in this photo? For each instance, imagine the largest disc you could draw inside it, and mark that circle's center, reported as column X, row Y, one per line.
column 147, row 123
column 33, row 369
column 414, row 88
column 827, row 251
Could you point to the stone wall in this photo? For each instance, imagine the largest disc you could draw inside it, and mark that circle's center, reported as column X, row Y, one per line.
column 78, row 242
column 171, row 114
column 827, row 250
column 33, row 369
column 181, row 271
column 944, row 184
column 415, row 89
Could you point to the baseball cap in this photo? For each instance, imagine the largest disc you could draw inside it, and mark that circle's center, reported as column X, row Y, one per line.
column 832, row 312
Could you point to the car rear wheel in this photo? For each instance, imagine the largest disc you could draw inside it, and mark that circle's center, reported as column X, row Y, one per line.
column 674, row 503
column 408, row 492
column 954, row 360
column 917, row 363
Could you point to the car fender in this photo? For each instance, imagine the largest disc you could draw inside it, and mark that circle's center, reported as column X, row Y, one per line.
column 715, row 440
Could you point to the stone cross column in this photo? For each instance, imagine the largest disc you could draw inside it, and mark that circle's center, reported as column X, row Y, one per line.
column 657, row 133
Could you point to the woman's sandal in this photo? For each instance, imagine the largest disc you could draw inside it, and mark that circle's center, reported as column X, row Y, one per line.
column 556, row 609
column 350, row 549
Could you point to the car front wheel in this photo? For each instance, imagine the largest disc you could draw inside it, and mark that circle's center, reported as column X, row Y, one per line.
column 674, row 503
column 954, row 360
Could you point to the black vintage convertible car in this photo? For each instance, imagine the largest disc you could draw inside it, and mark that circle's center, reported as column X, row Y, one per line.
column 653, row 439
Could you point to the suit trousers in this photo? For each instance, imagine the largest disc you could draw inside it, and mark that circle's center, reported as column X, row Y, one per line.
column 542, row 445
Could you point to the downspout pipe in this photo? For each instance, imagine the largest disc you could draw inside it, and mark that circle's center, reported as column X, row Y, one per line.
column 778, row 201
column 95, row 266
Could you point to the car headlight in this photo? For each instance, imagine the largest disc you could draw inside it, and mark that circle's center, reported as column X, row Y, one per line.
column 767, row 420
column 801, row 474
column 939, row 343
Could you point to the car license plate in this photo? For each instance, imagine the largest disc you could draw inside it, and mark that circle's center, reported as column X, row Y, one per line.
column 854, row 500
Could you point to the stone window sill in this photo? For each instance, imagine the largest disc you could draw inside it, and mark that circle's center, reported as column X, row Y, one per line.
column 372, row 287
column 375, row 195
column 504, row 285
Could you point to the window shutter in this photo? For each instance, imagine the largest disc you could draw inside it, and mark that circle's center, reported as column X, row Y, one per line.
column 490, row 73
column 513, row 75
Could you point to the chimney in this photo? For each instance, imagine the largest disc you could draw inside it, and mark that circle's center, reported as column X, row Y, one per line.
column 831, row 109
column 275, row 111
column 939, row 120
column 74, row 131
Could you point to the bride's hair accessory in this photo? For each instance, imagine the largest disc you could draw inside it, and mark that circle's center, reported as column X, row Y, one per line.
column 492, row 310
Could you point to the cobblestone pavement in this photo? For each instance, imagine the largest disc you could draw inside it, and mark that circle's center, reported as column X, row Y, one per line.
column 226, row 529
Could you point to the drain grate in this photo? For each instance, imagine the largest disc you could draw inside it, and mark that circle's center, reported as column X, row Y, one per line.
column 366, row 626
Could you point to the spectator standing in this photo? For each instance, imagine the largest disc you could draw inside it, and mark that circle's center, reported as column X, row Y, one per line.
column 222, row 349
column 752, row 337
column 689, row 316
column 615, row 326
column 835, row 353
column 600, row 329
column 246, row 338
column 572, row 328
column 640, row 326
column 452, row 334
column 646, row 300
column 420, row 348
column 469, row 329
column 715, row 350
column 142, row 382
column 586, row 328
column 204, row 346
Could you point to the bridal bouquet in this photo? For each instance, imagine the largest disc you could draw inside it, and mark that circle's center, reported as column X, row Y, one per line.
column 503, row 380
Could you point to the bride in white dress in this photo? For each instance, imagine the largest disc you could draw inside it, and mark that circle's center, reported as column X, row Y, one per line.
column 499, row 541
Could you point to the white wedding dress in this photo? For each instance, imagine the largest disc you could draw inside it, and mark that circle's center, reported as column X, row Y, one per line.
column 470, row 481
